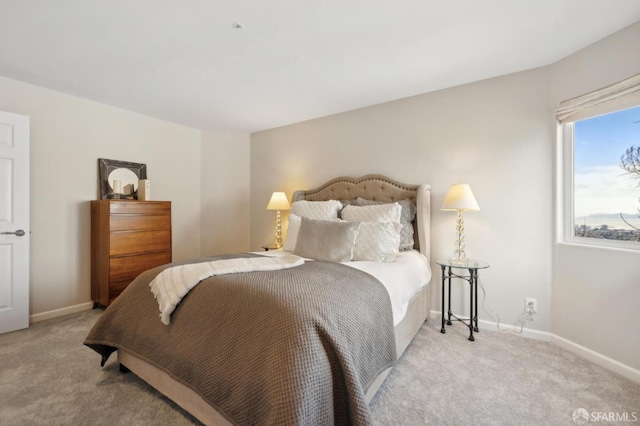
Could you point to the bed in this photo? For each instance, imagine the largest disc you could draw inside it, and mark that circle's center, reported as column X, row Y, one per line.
column 168, row 375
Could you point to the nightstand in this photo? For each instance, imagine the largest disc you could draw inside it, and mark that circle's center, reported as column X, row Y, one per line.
column 270, row 247
column 472, row 266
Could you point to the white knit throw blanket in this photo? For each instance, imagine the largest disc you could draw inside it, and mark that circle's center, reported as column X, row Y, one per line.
column 172, row 284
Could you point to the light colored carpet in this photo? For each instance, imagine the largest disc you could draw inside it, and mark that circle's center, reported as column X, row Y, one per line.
column 48, row 377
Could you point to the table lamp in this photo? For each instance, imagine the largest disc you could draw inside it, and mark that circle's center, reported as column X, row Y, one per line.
column 460, row 198
column 278, row 202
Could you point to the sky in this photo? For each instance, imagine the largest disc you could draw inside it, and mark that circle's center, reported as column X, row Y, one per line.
column 601, row 185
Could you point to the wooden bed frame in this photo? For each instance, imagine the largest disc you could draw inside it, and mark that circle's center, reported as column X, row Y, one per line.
column 372, row 187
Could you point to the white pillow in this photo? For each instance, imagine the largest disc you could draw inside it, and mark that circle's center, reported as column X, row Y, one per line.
column 406, row 219
column 320, row 210
column 292, row 233
column 377, row 241
column 377, row 213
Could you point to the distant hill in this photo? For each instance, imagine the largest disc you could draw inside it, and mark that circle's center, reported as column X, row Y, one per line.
column 612, row 220
column 613, row 215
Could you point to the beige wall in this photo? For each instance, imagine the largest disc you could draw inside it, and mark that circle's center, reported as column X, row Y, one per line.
column 225, row 192
column 68, row 135
column 595, row 290
column 494, row 135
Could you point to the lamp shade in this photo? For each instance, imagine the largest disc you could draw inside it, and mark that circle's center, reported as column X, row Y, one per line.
column 460, row 197
column 278, row 201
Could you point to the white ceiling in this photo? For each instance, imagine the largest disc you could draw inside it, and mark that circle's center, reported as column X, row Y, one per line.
column 294, row 59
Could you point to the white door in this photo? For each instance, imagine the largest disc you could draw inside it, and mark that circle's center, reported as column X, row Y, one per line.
column 14, row 222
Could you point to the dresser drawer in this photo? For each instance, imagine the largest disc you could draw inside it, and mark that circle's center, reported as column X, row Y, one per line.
column 137, row 222
column 116, row 288
column 123, row 243
column 139, row 207
column 128, row 237
column 126, row 268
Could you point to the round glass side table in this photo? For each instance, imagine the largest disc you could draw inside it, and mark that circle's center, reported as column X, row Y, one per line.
column 448, row 266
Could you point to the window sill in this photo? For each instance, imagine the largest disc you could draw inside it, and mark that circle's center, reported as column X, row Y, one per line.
column 597, row 243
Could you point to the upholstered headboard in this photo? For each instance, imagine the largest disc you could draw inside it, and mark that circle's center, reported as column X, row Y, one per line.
column 379, row 188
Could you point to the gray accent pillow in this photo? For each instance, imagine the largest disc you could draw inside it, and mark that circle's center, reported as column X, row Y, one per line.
column 326, row 239
column 406, row 219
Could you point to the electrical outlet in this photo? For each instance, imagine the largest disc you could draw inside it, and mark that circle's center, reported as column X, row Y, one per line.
column 530, row 301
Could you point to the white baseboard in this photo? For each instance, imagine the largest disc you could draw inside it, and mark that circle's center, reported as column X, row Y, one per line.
column 60, row 312
column 596, row 357
column 492, row 326
column 591, row 355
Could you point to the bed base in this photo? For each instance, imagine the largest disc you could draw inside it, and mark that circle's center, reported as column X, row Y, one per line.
column 417, row 313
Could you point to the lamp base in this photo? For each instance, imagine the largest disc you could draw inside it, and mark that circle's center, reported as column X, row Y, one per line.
column 459, row 254
column 278, row 242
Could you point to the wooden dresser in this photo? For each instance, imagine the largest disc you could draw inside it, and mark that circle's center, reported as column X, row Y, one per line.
column 127, row 238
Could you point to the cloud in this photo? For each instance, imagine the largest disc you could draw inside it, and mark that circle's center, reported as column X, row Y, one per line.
column 605, row 189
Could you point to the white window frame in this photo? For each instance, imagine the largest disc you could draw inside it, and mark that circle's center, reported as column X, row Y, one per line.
column 565, row 198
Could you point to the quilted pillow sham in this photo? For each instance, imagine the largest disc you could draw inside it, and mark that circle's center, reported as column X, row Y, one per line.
column 407, row 216
column 389, row 212
column 377, row 241
column 333, row 241
column 320, row 210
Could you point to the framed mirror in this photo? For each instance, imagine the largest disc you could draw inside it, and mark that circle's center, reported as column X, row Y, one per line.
column 125, row 173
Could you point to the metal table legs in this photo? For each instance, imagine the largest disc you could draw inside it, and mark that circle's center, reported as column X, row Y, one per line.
column 472, row 279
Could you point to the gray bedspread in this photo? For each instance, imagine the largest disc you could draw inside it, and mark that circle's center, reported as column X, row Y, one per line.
column 296, row 346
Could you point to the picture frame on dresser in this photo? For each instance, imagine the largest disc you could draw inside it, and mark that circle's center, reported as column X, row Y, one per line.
column 127, row 172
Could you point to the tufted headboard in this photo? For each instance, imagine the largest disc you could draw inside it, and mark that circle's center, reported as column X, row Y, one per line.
column 379, row 188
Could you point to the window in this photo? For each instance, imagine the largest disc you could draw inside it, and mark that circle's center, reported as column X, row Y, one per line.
column 599, row 193
column 602, row 204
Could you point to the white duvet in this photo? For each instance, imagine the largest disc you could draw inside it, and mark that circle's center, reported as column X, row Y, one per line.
column 402, row 278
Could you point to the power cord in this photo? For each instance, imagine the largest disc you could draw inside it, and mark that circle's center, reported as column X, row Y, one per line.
column 527, row 315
